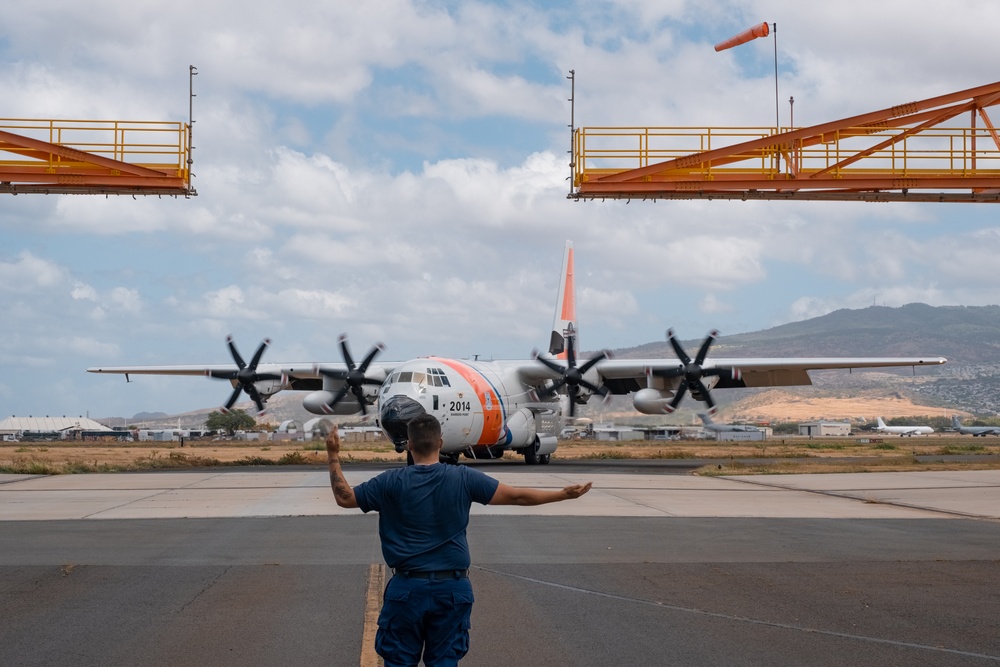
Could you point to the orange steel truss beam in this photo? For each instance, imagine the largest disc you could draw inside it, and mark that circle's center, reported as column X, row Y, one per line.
column 95, row 157
column 910, row 152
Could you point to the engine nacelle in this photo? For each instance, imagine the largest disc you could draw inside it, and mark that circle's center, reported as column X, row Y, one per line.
column 652, row 401
column 520, row 429
column 318, row 403
column 268, row 388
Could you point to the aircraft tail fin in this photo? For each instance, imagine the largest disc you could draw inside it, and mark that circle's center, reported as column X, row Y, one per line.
column 564, row 324
column 705, row 418
column 956, row 422
column 881, row 424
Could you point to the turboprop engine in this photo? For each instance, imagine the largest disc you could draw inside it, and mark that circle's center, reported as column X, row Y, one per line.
column 268, row 388
column 652, row 401
column 352, row 379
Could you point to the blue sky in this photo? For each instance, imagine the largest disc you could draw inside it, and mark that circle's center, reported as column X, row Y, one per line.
column 396, row 170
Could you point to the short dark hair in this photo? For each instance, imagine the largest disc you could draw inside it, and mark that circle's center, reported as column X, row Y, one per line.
column 424, row 434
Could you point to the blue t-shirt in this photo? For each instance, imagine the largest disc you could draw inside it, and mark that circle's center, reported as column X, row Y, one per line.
column 423, row 513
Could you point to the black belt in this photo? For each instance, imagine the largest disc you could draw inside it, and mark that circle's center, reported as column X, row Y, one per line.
column 434, row 574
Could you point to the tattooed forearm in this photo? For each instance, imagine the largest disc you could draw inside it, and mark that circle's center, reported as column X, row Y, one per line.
column 342, row 491
column 340, row 487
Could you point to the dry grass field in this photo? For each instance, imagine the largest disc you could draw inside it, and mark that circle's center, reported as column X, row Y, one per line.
column 777, row 455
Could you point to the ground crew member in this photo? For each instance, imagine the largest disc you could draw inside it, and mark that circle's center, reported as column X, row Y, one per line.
column 423, row 515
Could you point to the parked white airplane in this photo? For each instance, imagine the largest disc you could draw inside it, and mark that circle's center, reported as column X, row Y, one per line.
column 902, row 430
column 489, row 407
column 974, row 431
column 724, row 428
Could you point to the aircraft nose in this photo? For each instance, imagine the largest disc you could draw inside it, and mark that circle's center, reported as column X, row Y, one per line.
column 394, row 414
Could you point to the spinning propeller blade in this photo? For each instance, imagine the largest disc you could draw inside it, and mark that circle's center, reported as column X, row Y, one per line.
column 354, row 377
column 245, row 375
column 571, row 376
column 691, row 372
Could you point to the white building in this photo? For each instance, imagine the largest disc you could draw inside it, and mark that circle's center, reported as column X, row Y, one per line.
column 620, row 433
column 54, row 427
column 841, row 429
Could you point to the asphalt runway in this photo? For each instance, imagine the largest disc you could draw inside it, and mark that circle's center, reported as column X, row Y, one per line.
column 260, row 567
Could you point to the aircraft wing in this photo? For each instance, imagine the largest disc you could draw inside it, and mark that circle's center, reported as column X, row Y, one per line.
column 625, row 375
column 657, row 386
column 305, row 376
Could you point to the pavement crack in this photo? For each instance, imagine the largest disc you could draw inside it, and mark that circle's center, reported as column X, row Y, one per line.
column 742, row 619
column 144, row 498
column 867, row 498
column 207, row 587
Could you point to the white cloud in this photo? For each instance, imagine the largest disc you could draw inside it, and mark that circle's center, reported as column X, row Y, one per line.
column 29, row 273
column 712, row 305
column 83, row 292
column 88, row 347
column 126, row 300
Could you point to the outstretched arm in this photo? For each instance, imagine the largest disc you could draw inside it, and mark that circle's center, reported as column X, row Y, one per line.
column 342, row 491
column 519, row 495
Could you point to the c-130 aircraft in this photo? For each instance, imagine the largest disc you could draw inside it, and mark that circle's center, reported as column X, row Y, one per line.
column 487, row 408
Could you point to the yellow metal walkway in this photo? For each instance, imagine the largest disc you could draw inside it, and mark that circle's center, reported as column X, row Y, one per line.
column 95, row 157
column 911, row 152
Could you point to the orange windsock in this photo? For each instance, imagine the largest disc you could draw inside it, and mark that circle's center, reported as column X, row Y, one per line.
column 744, row 37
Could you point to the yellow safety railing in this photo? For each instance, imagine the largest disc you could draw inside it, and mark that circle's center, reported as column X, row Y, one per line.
column 160, row 146
column 859, row 151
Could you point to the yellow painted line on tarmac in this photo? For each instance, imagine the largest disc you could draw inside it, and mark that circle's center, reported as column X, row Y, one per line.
column 373, row 605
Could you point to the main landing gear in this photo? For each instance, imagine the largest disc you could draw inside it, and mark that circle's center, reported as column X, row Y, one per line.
column 532, row 457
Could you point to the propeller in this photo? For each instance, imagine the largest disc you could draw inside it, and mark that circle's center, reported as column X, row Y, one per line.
column 691, row 372
column 572, row 376
column 245, row 375
column 354, row 377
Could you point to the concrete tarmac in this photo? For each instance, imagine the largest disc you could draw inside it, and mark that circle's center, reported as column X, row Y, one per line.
column 260, row 567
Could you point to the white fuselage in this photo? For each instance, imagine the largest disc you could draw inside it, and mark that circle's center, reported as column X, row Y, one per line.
column 479, row 403
column 905, row 430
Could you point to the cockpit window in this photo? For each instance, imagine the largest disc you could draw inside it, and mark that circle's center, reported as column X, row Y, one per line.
column 437, row 377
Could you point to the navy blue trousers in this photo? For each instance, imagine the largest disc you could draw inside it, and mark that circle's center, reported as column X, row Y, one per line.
column 424, row 617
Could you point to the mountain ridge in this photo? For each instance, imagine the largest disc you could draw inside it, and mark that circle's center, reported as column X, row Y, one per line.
column 965, row 335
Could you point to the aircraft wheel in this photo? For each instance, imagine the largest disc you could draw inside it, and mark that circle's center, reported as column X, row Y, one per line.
column 409, row 457
column 530, row 456
column 544, row 459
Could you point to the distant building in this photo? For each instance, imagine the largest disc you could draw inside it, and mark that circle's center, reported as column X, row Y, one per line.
column 825, row 428
column 316, row 429
column 170, row 434
column 52, row 428
column 289, row 426
column 621, row 433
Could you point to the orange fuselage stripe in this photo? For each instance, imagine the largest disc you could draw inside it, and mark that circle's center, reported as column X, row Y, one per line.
column 488, row 399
